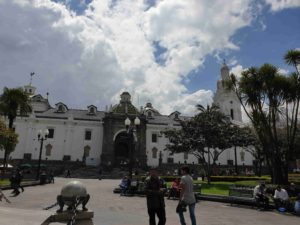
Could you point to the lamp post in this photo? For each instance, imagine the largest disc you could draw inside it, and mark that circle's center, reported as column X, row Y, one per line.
column 131, row 129
column 42, row 136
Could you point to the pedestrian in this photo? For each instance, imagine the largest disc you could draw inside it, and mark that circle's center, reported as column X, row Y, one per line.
column 187, row 196
column 51, row 176
column 100, row 173
column 14, row 185
column 19, row 178
column 155, row 198
column 68, row 174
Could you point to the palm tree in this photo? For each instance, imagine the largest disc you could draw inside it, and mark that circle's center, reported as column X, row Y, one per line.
column 13, row 102
column 292, row 58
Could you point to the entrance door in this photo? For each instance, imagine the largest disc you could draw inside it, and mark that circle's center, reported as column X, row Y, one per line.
column 122, row 153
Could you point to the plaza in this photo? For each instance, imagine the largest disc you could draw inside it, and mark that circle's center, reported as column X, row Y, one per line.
column 112, row 209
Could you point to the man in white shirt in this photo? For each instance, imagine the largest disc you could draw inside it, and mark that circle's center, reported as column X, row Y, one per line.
column 260, row 197
column 281, row 197
column 187, row 196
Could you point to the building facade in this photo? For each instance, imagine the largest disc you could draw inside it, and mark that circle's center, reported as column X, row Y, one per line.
column 100, row 137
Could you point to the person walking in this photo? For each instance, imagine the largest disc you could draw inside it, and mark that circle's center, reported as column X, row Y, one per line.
column 187, row 196
column 68, row 173
column 155, row 198
column 19, row 179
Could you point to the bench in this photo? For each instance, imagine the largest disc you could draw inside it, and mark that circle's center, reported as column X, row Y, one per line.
column 241, row 195
column 131, row 190
column 197, row 190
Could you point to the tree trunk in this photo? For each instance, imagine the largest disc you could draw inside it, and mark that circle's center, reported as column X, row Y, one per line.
column 280, row 173
column 235, row 161
column 208, row 166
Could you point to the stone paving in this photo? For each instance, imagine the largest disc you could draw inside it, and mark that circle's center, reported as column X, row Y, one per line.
column 112, row 209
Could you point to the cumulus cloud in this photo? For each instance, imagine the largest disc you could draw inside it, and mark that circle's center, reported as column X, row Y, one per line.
column 237, row 70
column 277, row 5
column 111, row 47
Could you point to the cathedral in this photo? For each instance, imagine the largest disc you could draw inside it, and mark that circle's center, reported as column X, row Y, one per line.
column 100, row 137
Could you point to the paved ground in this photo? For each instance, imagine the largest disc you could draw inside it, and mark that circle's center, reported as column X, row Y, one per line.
column 111, row 209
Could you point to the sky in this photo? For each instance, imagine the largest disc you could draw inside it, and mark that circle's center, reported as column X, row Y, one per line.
column 167, row 52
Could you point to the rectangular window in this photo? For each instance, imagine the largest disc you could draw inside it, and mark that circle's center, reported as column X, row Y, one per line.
column 230, row 162
column 27, row 156
column 186, row 155
column 48, row 152
column 66, row 158
column 51, row 133
column 154, row 138
column 88, row 135
column 170, row 160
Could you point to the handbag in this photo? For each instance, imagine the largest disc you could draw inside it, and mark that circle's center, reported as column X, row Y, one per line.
column 181, row 207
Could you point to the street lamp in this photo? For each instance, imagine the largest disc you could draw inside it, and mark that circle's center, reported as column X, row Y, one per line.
column 131, row 129
column 42, row 136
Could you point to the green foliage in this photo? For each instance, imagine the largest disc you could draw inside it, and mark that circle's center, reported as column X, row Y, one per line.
column 238, row 178
column 268, row 99
column 209, row 130
column 8, row 138
column 13, row 102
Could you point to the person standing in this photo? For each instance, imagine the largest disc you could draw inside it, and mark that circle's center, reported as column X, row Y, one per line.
column 187, row 196
column 155, row 198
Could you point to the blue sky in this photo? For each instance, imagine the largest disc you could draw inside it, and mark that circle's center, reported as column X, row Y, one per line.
column 257, row 46
column 168, row 52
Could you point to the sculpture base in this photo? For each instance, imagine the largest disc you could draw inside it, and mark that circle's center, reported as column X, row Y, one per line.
column 82, row 217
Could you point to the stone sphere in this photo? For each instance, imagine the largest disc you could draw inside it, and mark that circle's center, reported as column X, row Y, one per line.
column 74, row 188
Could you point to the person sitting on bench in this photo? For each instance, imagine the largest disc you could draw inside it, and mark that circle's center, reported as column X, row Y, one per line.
column 174, row 190
column 281, row 197
column 260, row 196
column 124, row 185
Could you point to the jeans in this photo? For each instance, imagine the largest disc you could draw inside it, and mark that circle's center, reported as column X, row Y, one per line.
column 161, row 214
column 192, row 215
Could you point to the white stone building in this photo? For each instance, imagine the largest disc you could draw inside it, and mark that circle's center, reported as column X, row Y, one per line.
column 99, row 137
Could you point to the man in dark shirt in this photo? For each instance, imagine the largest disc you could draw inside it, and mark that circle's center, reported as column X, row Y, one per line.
column 155, row 198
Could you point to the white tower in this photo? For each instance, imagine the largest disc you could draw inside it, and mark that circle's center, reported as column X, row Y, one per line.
column 225, row 98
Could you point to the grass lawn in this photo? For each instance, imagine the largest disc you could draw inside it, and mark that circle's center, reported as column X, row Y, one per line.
column 4, row 182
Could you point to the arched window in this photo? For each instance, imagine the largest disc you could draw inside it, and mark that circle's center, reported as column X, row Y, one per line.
column 92, row 110
column 48, row 149
column 231, row 114
column 87, row 150
column 242, row 153
column 149, row 114
column 60, row 108
column 186, row 155
column 154, row 153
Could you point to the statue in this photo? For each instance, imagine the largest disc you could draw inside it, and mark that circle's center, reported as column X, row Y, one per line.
column 73, row 194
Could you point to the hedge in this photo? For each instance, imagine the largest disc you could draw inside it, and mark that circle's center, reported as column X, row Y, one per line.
column 238, row 178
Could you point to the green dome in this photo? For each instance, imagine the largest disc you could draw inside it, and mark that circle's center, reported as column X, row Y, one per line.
column 125, row 106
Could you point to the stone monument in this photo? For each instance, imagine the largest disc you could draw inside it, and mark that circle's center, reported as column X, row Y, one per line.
column 72, row 195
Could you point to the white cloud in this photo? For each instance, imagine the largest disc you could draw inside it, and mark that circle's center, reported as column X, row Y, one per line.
column 91, row 58
column 237, row 70
column 277, row 5
column 283, row 71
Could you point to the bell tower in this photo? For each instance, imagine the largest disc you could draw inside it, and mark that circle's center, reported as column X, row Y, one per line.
column 225, row 98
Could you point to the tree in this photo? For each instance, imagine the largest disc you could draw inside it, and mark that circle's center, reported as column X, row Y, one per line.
column 244, row 138
column 13, row 102
column 8, row 138
column 205, row 131
column 269, row 98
